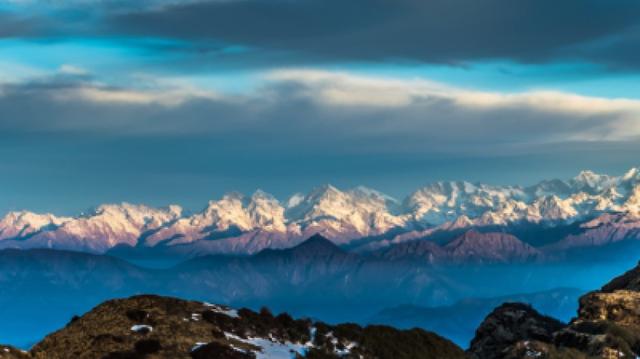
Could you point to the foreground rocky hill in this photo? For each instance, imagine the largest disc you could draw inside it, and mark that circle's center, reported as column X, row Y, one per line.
column 460, row 320
column 163, row 327
column 607, row 325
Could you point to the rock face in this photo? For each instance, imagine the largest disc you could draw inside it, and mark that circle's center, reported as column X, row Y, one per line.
column 460, row 320
column 621, row 307
column 629, row 280
column 8, row 352
column 607, row 326
column 162, row 327
column 508, row 324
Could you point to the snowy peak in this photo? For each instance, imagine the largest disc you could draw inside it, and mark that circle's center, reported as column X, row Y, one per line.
column 591, row 182
column 265, row 212
column 24, row 223
column 140, row 216
column 343, row 216
column 108, row 226
column 554, row 208
column 550, row 187
column 227, row 212
column 445, row 201
column 583, row 196
column 236, row 223
column 231, row 215
column 631, row 175
column 371, row 194
column 103, row 228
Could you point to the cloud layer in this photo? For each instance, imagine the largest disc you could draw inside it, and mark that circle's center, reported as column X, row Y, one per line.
column 321, row 111
column 446, row 31
column 162, row 96
column 70, row 141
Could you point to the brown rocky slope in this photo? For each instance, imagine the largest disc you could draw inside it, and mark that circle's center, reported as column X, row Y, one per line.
column 162, row 327
column 607, row 325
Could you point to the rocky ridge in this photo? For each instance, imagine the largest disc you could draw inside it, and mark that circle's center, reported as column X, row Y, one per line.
column 163, row 327
column 607, row 325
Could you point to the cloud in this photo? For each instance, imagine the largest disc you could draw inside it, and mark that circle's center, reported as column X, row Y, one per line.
column 618, row 118
column 445, row 31
column 72, row 70
column 118, row 96
column 12, row 25
column 321, row 112
column 618, row 51
column 257, row 33
column 69, row 141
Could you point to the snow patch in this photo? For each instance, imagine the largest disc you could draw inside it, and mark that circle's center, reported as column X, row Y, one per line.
column 142, row 328
column 271, row 349
column 222, row 310
column 197, row 346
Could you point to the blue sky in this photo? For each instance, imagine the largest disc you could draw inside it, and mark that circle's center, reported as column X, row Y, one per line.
column 181, row 101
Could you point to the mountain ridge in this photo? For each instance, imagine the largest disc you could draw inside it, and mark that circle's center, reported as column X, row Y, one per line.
column 152, row 326
column 247, row 224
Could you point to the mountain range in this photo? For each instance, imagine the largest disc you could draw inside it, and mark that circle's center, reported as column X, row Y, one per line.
column 588, row 210
column 42, row 288
column 605, row 325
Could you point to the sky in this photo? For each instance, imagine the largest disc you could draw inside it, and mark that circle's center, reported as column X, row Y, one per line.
column 167, row 101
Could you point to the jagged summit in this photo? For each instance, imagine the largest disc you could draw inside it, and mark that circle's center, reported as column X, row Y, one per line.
column 247, row 224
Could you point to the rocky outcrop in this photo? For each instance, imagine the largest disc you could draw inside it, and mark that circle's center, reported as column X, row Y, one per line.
column 9, row 352
column 630, row 280
column 509, row 324
column 162, row 327
column 621, row 307
column 607, row 326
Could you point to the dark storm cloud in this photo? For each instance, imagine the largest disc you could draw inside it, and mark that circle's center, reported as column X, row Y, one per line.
column 448, row 31
column 12, row 25
column 620, row 51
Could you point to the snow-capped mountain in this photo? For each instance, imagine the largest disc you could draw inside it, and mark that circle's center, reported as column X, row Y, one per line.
column 232, row 214
column 258, row 221
column 550, row 200
column 247, row 224
column 106, row 227
column 445, row 201
column 24, row 224
column 343, row 216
